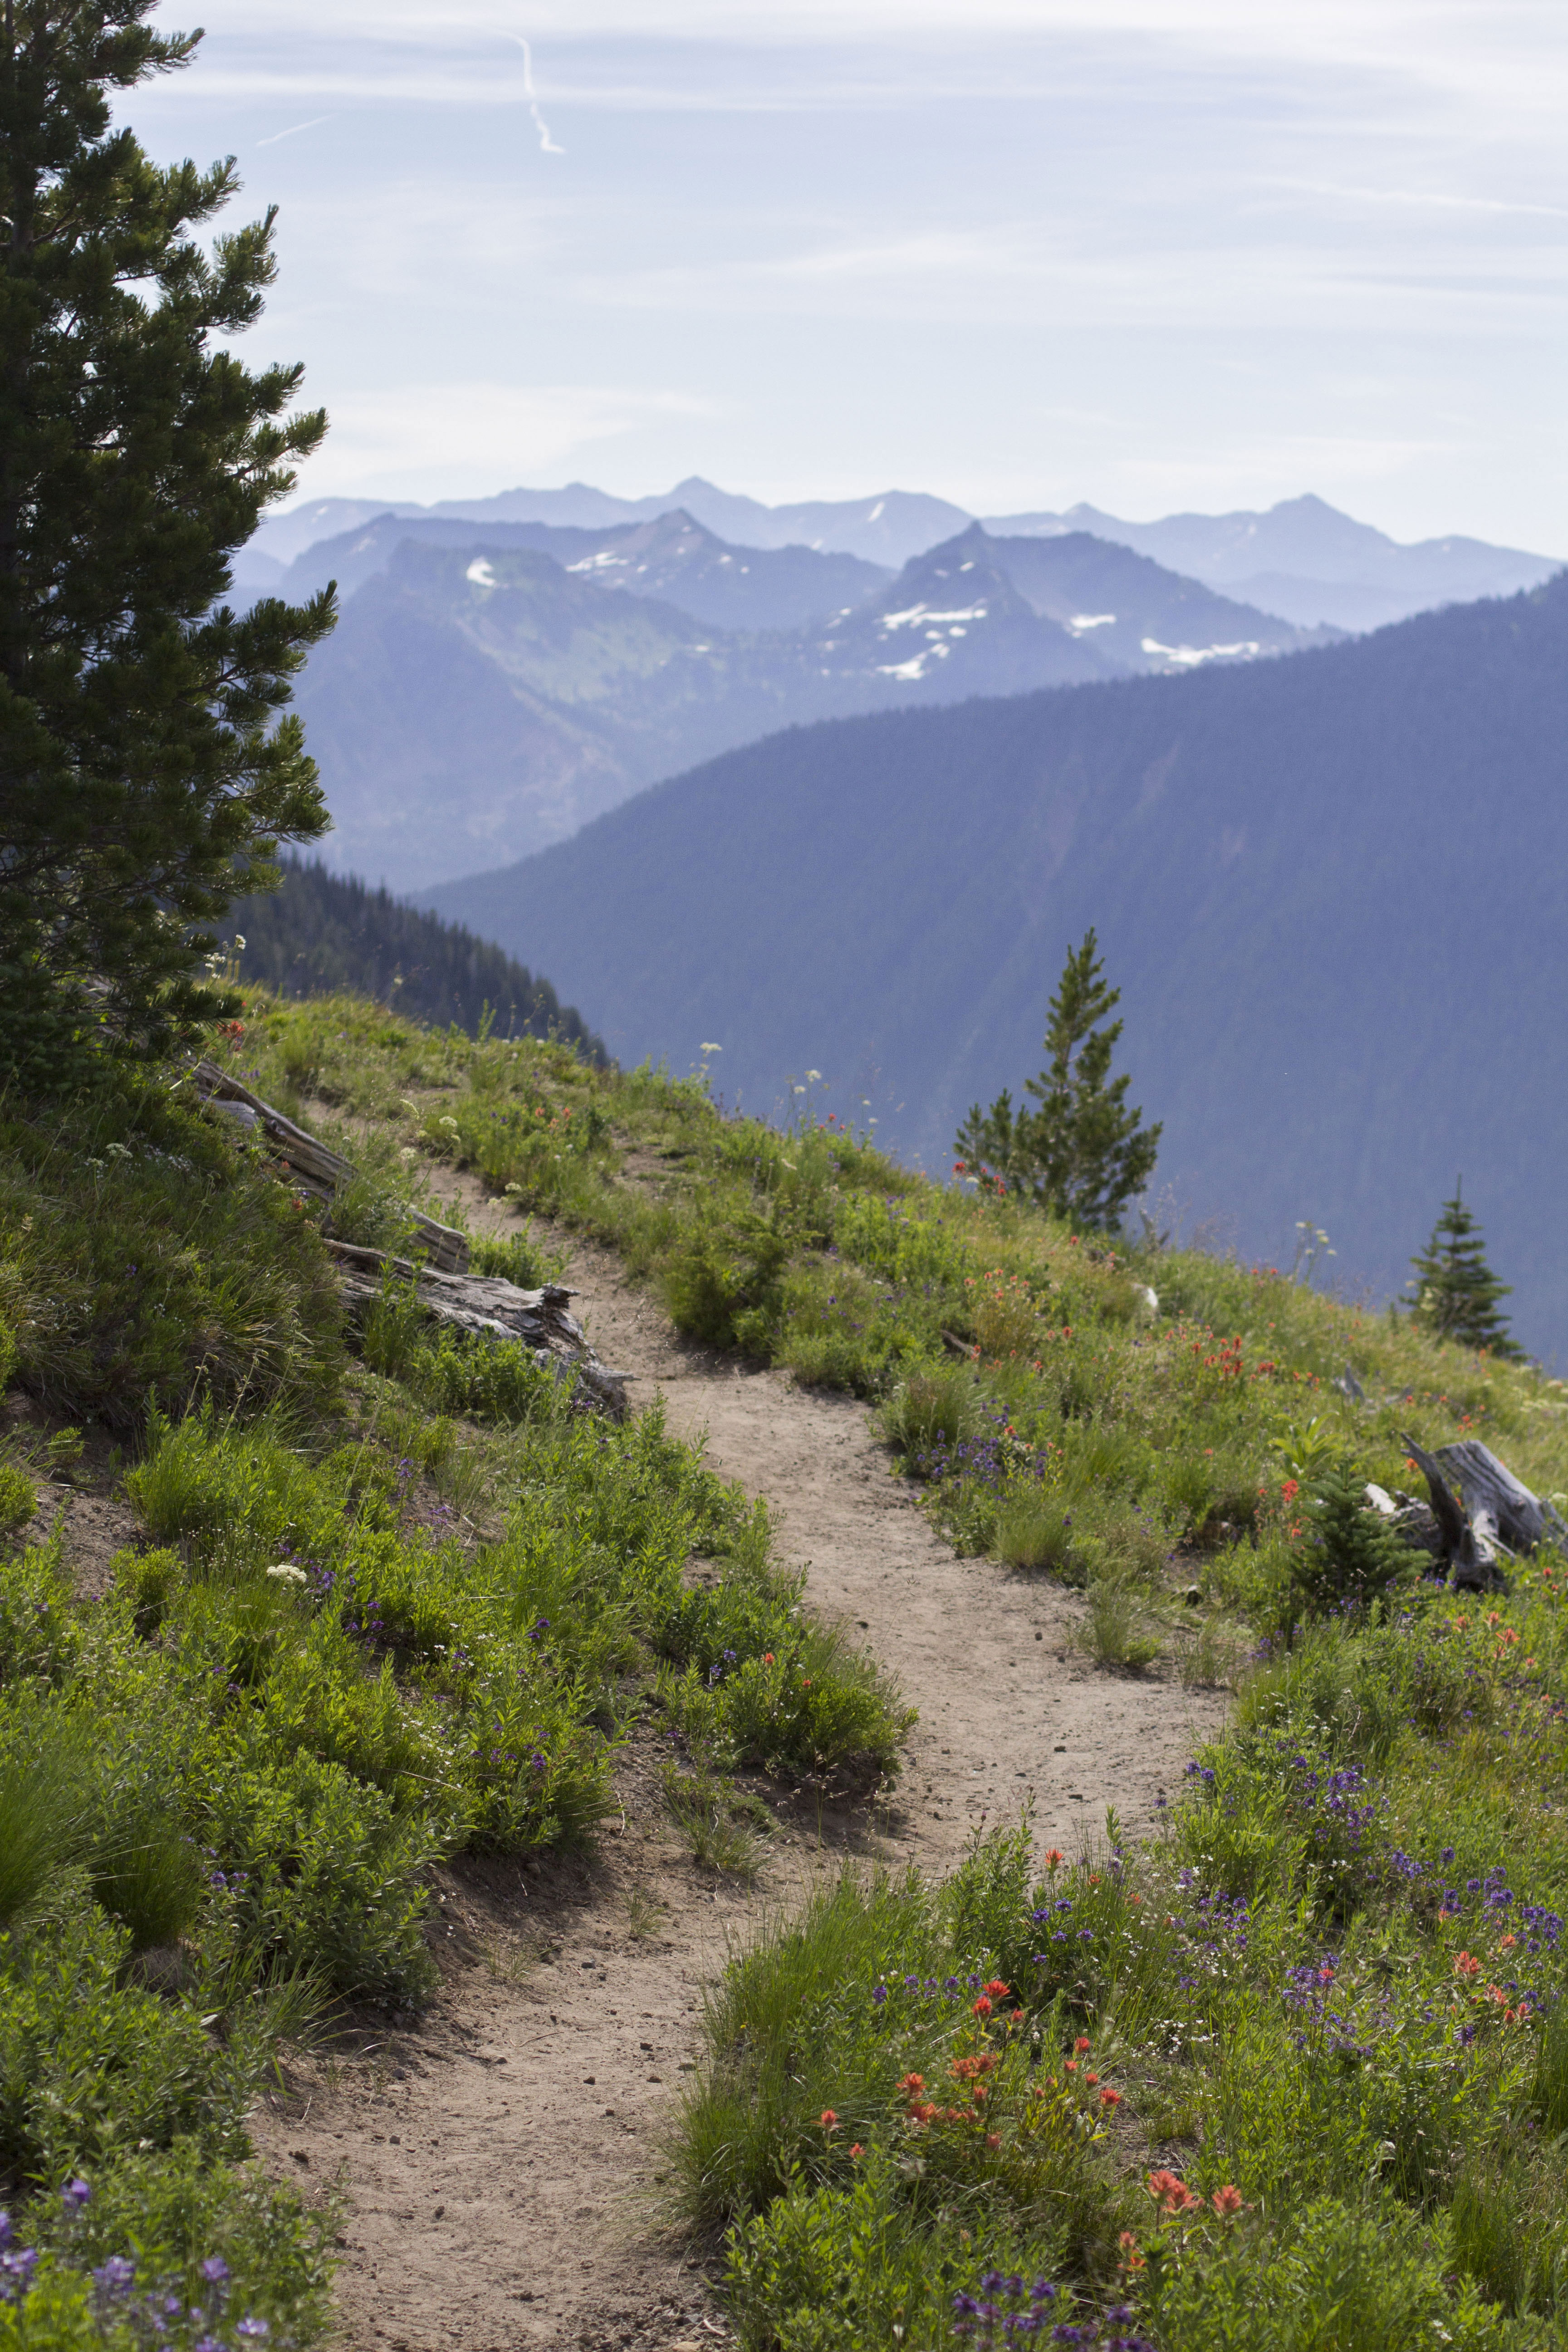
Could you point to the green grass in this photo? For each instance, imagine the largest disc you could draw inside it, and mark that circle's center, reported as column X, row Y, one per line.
column 1295, row 1993
column 394, row 1599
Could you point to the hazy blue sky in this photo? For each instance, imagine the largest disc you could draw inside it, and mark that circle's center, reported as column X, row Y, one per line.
column 1153, row 253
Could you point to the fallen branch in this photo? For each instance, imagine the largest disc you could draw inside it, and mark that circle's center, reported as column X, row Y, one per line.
column 313, row 1166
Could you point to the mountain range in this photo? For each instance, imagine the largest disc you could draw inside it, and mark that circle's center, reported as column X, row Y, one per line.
column 1302, row 560
column 1330, row 888
column 489, row 689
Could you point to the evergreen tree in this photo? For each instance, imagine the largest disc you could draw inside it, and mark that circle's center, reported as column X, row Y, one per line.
column 143, row 774
column 1083, row 1153
column 1352, row 1557
column 1456, row 1292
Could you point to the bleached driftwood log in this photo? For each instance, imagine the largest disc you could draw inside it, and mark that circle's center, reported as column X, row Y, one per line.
column 312, row 1165
column 486, row 1305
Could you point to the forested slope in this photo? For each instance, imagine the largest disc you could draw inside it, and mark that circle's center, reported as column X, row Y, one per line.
column 319, row 931
column 1329, row 887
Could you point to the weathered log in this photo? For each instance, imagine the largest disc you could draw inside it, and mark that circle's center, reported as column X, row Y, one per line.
column 1470, row 1539
column 313, row 1166
column 1522, row 1519
column 1416, row 1524
column 488, row 1307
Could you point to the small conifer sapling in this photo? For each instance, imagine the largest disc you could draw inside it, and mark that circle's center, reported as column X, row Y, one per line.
column 1457, row 1293
column 1352, row 1558
column 1083, row 1152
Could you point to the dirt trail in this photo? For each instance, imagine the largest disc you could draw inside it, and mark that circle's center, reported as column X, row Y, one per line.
column 498, row 2160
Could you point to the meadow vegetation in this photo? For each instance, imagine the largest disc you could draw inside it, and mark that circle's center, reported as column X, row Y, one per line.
column 1293, row 2072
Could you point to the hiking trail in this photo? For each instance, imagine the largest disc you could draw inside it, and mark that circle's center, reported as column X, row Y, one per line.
column 501, row 2156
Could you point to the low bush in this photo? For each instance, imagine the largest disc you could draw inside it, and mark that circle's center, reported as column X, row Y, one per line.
column 102, row 2262
column 1349, row 1557
column 18, row 1498
column 931, row 1414
column 145, row 1253
column 723, row 1280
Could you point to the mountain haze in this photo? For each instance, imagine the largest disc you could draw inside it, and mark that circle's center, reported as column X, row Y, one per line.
column 1302, row 561
column 1329, row 887
column 483, row 695
column 1307, row 562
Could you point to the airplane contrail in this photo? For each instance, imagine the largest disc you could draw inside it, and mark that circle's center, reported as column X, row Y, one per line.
column 546, row 145
column 315, row 121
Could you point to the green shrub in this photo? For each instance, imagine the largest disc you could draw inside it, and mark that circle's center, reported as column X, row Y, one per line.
column 244, row 1494
column 146, row 1252
column 39, row 1803
column 839, row 2028
column 150, row 1581
column 1337, row 2278
column 871, row 2263
column 169, row 2212
column 1114, row 1632
column 1036, row 1530
column 18, row 1498
column 723, row 1279
column 1350, row 1558
column 325, row 1875
column 931, row 1413
column 815, row 1706
column 145, row 1871
column 89, row 2065
column 39, row 1635
column 718, row 1830
column 487, row 1380
column 909, row 1244
column 519, row 1257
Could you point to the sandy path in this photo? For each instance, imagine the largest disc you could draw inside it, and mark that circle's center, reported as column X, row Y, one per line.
column 498, row 2159
column 1007, row 1707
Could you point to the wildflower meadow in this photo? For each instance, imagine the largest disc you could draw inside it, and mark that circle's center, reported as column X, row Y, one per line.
column 1288, row 2071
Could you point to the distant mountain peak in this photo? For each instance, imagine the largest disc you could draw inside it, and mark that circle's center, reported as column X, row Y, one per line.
column 1301, row 560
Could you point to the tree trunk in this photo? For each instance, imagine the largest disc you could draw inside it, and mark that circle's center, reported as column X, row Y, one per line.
column 1470, row 1539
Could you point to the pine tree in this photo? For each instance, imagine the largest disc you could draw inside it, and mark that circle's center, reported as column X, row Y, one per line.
column 144, row 776
column 1083, row 1153
column 1456, row 1292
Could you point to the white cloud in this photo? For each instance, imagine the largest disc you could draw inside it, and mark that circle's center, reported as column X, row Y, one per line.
column 463, row 439
column 1181, row 276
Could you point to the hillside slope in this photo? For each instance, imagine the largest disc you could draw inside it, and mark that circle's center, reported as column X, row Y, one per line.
column 1330, row 888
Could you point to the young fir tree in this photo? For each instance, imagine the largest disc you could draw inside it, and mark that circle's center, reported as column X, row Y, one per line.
column 1456, row 1292
column 1352, row 1557
column 1083, row 1153
column 144, row 776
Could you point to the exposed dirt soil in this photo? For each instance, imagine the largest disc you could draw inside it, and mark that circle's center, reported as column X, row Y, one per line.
column 501, row 2159
column 77, row 1496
